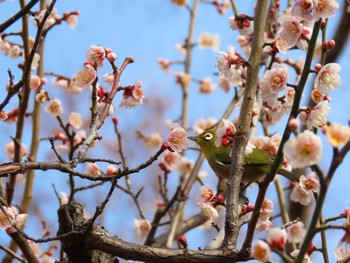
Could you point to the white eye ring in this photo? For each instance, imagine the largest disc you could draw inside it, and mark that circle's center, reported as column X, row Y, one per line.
column 208, row 136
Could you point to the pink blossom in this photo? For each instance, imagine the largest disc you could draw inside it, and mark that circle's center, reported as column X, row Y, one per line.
column 54, row 107
column 75, row 120
column 202, row 125
column 18, row 219
column 261, row 251
column 93, row 169
column 235, row 75
column 10, row 150
column 328, row 78
column 225, row 60
column 165, row 64
column 242, row 24
column 177, row 139
column 273, row 82
column 224, row 135
column 142, row 227
column 299, row 195
column 153, row 141
column 304, row 9
column 316, row 116
column 341, row 253
column 206, row 41
column 185, row 166
column 206, row 86
column 325, row 8
column 292, row 29
column 111, row 170
column 72, row 21
column 132, row 96
column 224, row 83
column 108, row 78
column 305, row 150
column 310, row 183
column 183, row 78
column 171, row 160
column 296, row 232
column 35, row 62
column 306, row 259
column 35, row 82
column 50, row 21
column 15, row 51
column 210, row 211
column 337, row 135
column 277, row 237
column 96, row 55
column 206, row 194
column 263, row 225
column 86, row 76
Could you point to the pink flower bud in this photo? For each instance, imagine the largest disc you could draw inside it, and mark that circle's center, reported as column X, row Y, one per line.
column 318, row 66
column 112, row 57
column 293, row 124
column 115, row 120
column 277, row 237
column 165, row 146
column 183, row 241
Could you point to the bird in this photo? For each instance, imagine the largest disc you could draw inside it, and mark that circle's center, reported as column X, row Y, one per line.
column 257, row 163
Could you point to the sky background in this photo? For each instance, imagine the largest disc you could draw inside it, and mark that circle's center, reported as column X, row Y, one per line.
column 147, row 31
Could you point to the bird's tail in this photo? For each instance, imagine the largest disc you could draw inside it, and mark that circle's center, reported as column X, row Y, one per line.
column 288, row 175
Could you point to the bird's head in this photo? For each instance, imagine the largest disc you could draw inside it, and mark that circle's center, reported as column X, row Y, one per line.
column 206, row 140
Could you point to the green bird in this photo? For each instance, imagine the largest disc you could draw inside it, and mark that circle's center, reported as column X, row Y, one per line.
column 257, row 163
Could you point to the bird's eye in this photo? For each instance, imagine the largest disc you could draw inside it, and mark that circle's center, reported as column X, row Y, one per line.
column 208, row 136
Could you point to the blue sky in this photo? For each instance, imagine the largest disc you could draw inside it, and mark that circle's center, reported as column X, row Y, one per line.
column 147, row 31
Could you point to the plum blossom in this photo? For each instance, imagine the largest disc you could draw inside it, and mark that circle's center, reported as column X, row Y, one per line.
column 93, row 169
column 153, row 141
column 340, row 253
column 185, row 166
column 72, row 21
column 337, row 134
column 206, row 41
column 171, row 160
column 75, row 120
column 273, row 82
column 206, row 195
column 50, row 21
column 133, row 96
column 111, row 170
column 35, row 82
column 304, row 9
column 96, row 55
column 108, row 78
column 142, row 227
column 294, row 31
column 202, row 125
column 325, row 8
column 15, row 51
column 183, row 78
column 224, row 84
column 210, row 211
column 277, row 237
column 315, row 117
column 206, row 86
column 261, row 251
column 177, row 139
column 18, row 219
column 296, row 232
column 54, row 107
column 328, row 78
column 225, row 60
column 242, row 24
column 266, row 210
column 295, row 253
column 86, row 76
column 305, row 150
column 224, row 135
column 165, row 64
column 10, row 150
column 303, row 191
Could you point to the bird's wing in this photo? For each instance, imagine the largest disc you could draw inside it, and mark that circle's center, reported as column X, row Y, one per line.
column 258, row 157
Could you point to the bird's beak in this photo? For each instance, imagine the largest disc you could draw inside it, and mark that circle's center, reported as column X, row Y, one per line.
column 193, row 138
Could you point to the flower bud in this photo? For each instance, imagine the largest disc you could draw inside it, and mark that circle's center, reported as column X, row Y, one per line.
column 183, row 241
